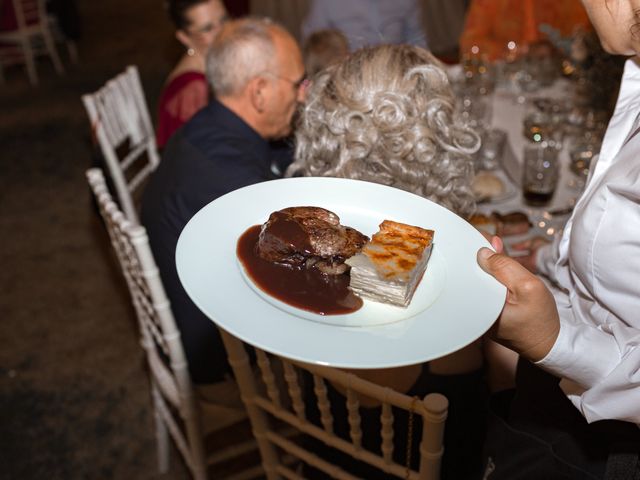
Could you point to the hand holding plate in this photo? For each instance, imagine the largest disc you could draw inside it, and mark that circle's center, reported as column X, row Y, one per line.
column 529, row 322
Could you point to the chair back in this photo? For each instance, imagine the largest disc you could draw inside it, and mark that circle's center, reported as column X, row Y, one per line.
column 121, row 124
column 171, row 384
column 29, row 12
column 267, row 401
column 178, row 412
column 22, row 22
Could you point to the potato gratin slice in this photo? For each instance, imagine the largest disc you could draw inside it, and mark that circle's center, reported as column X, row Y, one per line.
column 390, row 266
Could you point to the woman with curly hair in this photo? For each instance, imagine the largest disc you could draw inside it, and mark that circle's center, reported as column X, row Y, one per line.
column 385, row 115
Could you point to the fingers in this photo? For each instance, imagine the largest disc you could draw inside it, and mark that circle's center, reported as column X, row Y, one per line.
column 506, row 270
column 497, row 244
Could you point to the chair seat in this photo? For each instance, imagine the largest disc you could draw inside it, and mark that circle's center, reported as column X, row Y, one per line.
column 216, row 417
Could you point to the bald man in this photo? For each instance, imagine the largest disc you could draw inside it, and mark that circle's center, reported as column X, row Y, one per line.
column 257, row 76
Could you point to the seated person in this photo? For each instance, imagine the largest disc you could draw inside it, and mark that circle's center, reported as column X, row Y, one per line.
column 255, row 67
column 367, row 22
column 186, row 90
column 492, row 24
column 324, row 48
column 385, row 115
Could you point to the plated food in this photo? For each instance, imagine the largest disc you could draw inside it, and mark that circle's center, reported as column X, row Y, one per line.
column 309, row 237
column 454, row 304
column 390, row 266
column 504, row 225
column 487, row 185
column 306, row 258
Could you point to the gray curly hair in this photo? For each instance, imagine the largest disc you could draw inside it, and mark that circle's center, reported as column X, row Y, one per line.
column 385, row 115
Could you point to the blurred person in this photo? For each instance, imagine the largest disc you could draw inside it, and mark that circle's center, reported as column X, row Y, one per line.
column 186, row 90
column 492, row 24
column 322, row 49
column 368, row 22
column 385, row 115
column 255, row 68
column 575, row 411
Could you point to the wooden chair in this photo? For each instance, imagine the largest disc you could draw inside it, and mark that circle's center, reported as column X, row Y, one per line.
column 266, row 404
column 178, row 414
column 121, row 124
column 31, row 35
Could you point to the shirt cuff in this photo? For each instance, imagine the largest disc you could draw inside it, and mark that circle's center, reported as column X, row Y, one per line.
column 546, row 260
column 582, row 353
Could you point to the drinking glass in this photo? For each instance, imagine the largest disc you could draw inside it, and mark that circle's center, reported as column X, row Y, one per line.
column 479, row 73
column 540, row 172
column 475, row 109
column 490, row 154
column 536, row 124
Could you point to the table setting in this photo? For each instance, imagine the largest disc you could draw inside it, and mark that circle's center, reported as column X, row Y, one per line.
column 538, row 137
column 539, row 134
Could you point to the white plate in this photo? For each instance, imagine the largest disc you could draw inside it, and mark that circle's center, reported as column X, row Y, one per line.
column 455, row 303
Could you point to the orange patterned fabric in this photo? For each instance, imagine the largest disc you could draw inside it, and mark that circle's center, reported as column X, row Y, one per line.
column 491, row 24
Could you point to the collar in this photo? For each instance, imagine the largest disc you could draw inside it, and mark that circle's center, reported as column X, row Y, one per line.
column 217, row 116
column 624, row 117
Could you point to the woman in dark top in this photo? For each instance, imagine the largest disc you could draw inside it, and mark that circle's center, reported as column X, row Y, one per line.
column 186, row 90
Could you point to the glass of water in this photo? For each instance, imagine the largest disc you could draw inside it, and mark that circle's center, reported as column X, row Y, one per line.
column 540, row 172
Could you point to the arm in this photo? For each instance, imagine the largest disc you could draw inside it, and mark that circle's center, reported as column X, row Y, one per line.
column 600, row 366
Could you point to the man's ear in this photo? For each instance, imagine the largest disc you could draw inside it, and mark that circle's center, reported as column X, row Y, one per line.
column 183, row 38
column 257, row 89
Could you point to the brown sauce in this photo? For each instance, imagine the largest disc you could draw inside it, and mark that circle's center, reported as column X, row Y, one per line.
column 307, row 289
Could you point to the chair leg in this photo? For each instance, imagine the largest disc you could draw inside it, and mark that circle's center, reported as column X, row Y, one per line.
column 162, row 434
column 30, row 62
column 72, row 48
column 53, row 52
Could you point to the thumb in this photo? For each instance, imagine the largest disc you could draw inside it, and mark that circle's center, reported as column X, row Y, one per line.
column 503, row 268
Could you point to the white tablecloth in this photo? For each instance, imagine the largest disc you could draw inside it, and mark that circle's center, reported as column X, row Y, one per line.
column 508, row 115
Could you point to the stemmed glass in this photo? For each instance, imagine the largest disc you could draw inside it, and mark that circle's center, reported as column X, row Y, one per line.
column 479, row 73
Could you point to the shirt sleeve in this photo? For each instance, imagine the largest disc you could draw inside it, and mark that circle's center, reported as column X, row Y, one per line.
column 600, row 367
column 547, row 257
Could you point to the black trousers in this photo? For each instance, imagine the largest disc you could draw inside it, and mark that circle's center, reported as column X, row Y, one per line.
column 535, row 432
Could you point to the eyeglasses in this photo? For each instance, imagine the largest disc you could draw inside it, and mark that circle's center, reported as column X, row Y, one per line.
column 303, row 82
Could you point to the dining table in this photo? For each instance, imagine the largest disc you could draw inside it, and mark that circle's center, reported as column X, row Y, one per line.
column 508, row 111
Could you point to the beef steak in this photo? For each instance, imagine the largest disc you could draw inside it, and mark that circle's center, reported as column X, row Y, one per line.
column 309, row 237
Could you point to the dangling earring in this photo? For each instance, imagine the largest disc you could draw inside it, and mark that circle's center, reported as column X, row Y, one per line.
column 191, row 52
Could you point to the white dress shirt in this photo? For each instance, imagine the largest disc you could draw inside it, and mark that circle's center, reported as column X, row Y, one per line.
column 368, row 22
column 596, row 265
